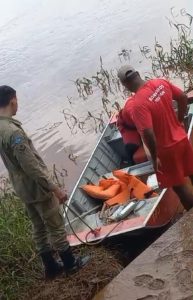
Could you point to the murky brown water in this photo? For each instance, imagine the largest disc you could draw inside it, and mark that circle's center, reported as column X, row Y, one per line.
column 46, row 44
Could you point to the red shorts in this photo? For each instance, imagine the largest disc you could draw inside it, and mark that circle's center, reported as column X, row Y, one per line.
column 176, row 164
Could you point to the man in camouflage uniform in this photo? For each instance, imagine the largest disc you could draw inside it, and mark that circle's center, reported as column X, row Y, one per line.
column 32, row 183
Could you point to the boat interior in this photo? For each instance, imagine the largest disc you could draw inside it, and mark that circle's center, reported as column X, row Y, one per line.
column 109, row 155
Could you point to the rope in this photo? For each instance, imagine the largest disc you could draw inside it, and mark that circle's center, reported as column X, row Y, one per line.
column 91, row 229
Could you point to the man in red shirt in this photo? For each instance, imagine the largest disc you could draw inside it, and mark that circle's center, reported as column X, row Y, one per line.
column 128, row 130
column 161, row 130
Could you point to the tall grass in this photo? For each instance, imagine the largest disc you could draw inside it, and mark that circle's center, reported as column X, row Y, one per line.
column 19, row 267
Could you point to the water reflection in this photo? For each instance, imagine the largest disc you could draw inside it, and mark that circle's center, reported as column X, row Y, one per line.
column 46, row 44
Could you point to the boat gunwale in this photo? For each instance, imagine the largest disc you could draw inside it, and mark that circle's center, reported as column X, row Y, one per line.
column 84, row 169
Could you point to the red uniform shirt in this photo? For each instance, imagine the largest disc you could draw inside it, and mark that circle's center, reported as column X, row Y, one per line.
column 126, row 125
column 153, row 109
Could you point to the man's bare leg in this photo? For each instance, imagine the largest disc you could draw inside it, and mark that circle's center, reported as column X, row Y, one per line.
column 185, row 194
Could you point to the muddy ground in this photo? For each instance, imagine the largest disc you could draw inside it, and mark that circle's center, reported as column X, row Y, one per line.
column 104, row 266
column 107, row 262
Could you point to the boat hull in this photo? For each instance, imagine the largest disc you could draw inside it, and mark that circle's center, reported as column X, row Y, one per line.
column 169, row 206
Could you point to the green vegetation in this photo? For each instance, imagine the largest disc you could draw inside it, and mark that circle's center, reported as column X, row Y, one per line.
column 20, row 270
column 177, row 61
column 19, row 267
column 106, row 86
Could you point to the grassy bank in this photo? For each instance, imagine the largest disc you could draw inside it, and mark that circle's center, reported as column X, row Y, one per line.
column 19, row 267
column 21, row 274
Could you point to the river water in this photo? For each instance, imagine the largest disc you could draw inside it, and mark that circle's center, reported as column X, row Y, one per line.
column 46, row 44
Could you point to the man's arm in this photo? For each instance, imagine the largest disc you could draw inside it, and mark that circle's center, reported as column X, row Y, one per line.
column 182, row 101
column 141, row 116
column 31, row 166
column 149, row 139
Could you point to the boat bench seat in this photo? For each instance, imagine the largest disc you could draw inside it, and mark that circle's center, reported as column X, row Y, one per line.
column 136, row 170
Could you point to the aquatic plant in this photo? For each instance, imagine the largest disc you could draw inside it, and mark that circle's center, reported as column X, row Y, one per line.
column 177, row 61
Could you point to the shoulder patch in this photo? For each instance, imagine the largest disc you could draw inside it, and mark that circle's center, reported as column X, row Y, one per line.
column 17, row 140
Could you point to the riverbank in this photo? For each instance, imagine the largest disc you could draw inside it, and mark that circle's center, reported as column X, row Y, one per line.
column 20, row 268
column 21, row 272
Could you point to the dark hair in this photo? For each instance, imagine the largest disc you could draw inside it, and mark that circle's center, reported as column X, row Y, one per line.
column 7, row 93
column 129, row 78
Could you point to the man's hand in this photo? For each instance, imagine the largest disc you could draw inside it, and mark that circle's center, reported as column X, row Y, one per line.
column 157, row 165
column 60, row 194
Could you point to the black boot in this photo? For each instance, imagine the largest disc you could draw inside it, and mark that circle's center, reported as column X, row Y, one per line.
column 72, row 264
column 52, row 268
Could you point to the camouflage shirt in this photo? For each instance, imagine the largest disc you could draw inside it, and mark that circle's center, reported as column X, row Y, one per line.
column 27, row 171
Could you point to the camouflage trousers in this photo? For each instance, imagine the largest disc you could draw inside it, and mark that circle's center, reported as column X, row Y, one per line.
column 48, row 225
